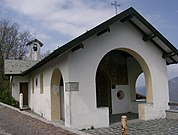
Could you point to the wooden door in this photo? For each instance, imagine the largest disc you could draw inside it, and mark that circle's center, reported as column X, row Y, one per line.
column 24, row 91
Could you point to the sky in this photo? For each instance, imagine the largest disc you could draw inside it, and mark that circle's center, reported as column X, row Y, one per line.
column 58, row 21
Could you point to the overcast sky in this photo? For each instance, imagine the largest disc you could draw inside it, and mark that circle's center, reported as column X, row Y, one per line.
column 59, row 21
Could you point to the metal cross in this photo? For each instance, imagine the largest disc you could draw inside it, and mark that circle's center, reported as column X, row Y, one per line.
column 116, row 5
column 35, row 34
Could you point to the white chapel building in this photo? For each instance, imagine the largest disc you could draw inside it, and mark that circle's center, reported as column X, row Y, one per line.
column 93, row 77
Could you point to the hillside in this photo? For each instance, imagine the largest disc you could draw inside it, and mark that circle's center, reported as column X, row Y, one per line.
column 173, row 89
column 141, row 90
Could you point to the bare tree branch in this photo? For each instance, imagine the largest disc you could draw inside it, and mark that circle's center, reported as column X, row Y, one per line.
column 12, row 43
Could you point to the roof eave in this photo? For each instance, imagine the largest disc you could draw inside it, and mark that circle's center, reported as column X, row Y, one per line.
column 156, row 32
column 73, row 43
column 13, row 74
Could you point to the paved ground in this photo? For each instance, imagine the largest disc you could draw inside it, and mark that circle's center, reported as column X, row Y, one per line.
column 15, row 123
column 138, row 127
column 114, row 118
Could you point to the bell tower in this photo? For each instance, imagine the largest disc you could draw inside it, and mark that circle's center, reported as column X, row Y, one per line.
column 34, row 49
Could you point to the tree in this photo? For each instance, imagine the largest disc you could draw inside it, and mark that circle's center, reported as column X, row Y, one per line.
column 12, row 45
column 45, row 54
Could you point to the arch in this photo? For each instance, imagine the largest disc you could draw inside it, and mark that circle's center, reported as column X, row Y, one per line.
column 115, row 67
column 146, row 71
column 56, row 95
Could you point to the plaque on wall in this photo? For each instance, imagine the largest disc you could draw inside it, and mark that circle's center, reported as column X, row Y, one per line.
column 71, row 86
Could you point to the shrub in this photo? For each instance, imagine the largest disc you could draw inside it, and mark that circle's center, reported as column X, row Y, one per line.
column 7, row 99
column 14, row 103
column 4, row 94
column 1, row 99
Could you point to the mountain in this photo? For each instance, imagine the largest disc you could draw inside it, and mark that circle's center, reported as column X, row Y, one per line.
column 141, row 90
column 172, row 71
column 173, row 90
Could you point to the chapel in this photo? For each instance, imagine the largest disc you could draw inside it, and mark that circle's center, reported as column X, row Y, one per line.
column 92, row 78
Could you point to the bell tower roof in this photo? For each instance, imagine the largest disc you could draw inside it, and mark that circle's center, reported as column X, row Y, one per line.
column 35, row 41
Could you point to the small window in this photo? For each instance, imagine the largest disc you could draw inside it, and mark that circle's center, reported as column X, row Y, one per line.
column 36, row 82
column 120, row 94
column 32, row 85
column 41, row 84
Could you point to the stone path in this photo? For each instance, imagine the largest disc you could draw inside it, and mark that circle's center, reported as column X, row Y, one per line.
column 138, row 127
column 15, row 123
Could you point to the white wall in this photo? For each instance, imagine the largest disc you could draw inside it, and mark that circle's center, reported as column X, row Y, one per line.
column 84, row 63
column 16, row 86
column 120, row 105
column 41, row 103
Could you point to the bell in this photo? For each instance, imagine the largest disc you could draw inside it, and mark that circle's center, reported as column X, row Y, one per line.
column 35, row 47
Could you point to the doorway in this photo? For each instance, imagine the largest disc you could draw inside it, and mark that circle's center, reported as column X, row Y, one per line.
column 103, row 86
column 24, row 91
column 57, row 96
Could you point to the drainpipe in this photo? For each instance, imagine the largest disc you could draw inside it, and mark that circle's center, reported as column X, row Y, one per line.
column 10, row 87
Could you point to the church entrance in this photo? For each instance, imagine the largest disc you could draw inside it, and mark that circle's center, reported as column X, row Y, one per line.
column 24, row 91
column 116, row 78
column 57, row 96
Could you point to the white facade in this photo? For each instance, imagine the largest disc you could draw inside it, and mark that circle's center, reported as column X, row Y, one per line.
column 16, row 80
column 80, row 67
column 122, row 36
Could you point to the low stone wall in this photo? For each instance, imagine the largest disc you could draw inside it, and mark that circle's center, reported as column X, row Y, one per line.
column 172, row 114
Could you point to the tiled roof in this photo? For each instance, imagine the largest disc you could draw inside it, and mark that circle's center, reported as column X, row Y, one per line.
column 35, row 40
column 16, row 67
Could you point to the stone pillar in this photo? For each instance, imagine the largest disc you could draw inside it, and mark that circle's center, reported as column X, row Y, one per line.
column 21, row 101
column 69, row 88
column 124, row 125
